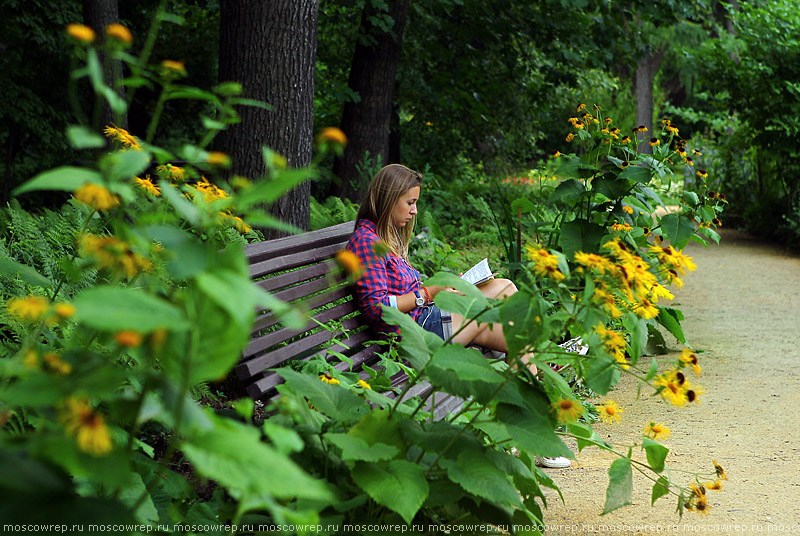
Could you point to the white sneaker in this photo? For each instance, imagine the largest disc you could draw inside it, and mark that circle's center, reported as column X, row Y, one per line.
column 553, row 463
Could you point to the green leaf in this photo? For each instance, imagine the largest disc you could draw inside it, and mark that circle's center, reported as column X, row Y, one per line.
column 418, row 344
column 532, row 426
column 183, row 207
column 66, row 178
column 439, row 436
column 620, row 485
column 580, row 235
column 710, row 233
column 267, row 191
column 653, row 370
column 286, row 440
column 678, row 229
column 399, row 485
column 125, row 165
column 671, row 319
column 602, row 373
column 233, row 455
column 121, row 308
column 569, row 167
column 81, row 137
column 26, row 273
column 569, row 191
column 355, row 448
column 232, row 291
column 656, row 454
column 218, row 341
column 636, row 173
column 522, row 203
column 474, row 471
column 523, row 324
column 611, row 187
column 332, row 400
column 637, row 329
column 660, row 488
column 466, row 363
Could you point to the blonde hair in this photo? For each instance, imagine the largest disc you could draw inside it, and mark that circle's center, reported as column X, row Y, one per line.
column 385, row 188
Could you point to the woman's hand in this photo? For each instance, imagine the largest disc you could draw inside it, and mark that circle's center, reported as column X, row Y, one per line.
column 433, row 290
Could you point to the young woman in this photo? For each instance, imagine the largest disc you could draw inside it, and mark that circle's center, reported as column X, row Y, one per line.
column 386, row 222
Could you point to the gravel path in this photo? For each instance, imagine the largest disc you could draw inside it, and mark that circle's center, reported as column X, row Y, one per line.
column 742, row 309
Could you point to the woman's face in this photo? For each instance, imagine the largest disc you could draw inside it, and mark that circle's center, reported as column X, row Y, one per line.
column 405, row 208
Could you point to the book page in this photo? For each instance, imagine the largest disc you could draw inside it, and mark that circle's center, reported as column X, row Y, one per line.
column 478, row 273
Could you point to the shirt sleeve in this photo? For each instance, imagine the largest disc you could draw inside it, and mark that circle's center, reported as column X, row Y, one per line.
column 372, row 287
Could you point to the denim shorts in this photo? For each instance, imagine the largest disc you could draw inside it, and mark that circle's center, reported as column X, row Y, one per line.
column 436, row 321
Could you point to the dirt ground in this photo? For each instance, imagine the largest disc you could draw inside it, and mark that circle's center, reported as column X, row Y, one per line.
column 742, row 308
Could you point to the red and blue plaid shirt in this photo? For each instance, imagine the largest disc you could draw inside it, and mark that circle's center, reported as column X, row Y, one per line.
column 382, row 277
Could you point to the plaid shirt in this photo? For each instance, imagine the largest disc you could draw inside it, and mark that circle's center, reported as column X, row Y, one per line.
column 383, row 277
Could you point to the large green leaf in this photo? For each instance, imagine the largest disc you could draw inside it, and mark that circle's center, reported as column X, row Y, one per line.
column 232, row 291
column 660, row 488
column 440, row 436
column 233, row 454
column 26, row 273
column 637, row 328
column 475, row 472
column 66, row 178
column 81, row 137
column 523, row 322
column 125, row 165
column 636, row 173
column 580, row 235
column 656, row 454
column 602, row 373
column 418, row 344
column 620, row 485
column 678, row 229
column 332, row 400
column 569, row 191
column 611, row 187
column 466, row 363
column 267, row 191
column 355, row 448
column 219, row 339
column 671, row 319
column 121, row 308
column 399, row 485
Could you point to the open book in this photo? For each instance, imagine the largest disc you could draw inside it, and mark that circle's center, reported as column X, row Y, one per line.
column 478, row 274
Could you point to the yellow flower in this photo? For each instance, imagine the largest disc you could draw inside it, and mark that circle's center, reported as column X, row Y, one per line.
column 608, row 121
column 168, row 171
column 28, row 309
column 81, row 32
column 55, row 364
column 567, row 410
column 646, row 309
column 544, row 263
column 719, row 470
column 123, row 136
column 690, row 358
column 128, row 338
column 332, row 134
column 672, row 387
column 702, row 173
column 350, row 263
column 556, row 153
column 610, row 412
column 87, row 425
column 654, row 142
column 217, row 158
column 625, row 139
column 593, row 261
column 693, row 394
column 696, row 152
column 114, row 254
column 236, row 221
column 627, row 209
column 364, row 385
column 570, row 137
column 30, row 359
column 210, row 191
column 96, row 197
column 173, row 66
column 672, row 129
column 118, row 31
column 702, row 505
column 581, row 107
column 613, row 343
column 656, row 431
column 621, row 227
column 64, row 310
column 714, row 486
column 660, row 291
column 607, row 302
column 327, row 378
column 147, row 185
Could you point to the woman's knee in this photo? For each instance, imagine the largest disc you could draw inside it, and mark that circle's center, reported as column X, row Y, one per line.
column 501, row 288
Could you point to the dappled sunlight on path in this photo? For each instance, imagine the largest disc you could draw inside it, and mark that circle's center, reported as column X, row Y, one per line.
column 742, row 309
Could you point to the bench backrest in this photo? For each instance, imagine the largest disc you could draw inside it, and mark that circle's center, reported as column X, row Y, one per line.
column 301, row 269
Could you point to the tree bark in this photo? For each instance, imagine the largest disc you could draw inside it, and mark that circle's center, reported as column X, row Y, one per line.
column 270, row 48
column 98, row 14
column 646, row 69
column 367, row 122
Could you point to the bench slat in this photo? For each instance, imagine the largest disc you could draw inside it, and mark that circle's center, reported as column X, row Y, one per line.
column 305, row 273
column 280, row 247
column 259, row 344
column 270, row 319
column 294, row 260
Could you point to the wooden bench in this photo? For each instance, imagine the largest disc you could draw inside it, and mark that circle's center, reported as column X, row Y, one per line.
column 302, row 268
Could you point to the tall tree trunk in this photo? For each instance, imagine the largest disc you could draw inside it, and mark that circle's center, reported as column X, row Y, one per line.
column 270, row 48
column 98, row 14
column 373, row 75
column 646, row 69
